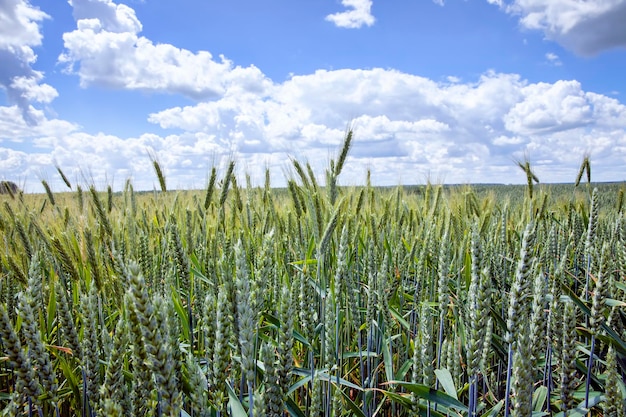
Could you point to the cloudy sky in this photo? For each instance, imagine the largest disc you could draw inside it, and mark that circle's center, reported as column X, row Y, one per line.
column 450, row 91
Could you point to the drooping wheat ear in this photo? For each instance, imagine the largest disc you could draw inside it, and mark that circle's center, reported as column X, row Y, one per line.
column 614, row 404
column 48, row 191
column 114, row 387
column 100, row 212
column 301, row 173
column 90, row 346
column 19, row 227
column 26, row 382
column 568, row 358
column 295, row 198
column 309, row 169
column 63, row 177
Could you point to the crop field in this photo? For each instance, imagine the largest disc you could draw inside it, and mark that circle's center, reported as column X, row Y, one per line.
column 314, row 300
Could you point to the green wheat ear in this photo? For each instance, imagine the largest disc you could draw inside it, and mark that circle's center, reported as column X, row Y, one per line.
column 159, row 174
column 26, row 384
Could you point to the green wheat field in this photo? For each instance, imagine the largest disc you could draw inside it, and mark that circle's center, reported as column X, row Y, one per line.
column 314, row 299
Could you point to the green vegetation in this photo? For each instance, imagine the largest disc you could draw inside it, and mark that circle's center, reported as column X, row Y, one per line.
column 314, row 300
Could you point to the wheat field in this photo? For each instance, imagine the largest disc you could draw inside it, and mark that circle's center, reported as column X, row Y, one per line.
column 314, row 300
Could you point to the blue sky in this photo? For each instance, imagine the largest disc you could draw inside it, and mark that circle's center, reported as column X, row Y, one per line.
column 451, row 91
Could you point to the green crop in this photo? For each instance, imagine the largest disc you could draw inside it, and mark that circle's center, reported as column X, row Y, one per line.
column 314, row 300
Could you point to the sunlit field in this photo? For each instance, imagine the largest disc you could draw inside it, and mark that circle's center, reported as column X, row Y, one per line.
column 315, row 299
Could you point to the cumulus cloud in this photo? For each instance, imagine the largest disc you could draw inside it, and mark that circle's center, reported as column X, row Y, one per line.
column 359, row 13
column 407, row 128
column 19, row 33
column 106, row 49
column 463, row 131
column 585, row 27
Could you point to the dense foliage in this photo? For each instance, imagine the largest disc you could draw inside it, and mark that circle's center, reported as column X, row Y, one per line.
column 314, row 300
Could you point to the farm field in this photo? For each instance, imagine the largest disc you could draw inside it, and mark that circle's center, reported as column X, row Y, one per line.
column 314, row 300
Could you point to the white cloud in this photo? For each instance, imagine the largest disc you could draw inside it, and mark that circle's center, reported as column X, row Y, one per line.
column 585, row 27
column 105, row 49
column 462, row 131
column 118, row 18
column 19, row 24
column 407, row 128
column 359, row 13
column 19, row 33
column 553, row 59
column 561, row 106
